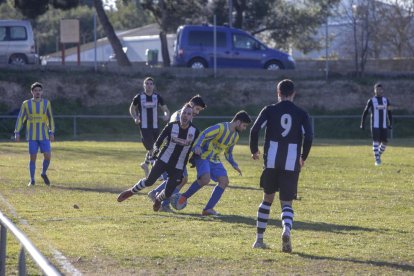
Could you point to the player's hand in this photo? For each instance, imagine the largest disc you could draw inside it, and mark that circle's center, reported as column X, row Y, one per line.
column 362, row 127
column 192, row 161
column 165, row 118
column 301, row 162
column 390, row 127
column 137, row 121
column 52, row 137
column 238, row 170
column 16, row 137
column 197, row 150
column 256, row 155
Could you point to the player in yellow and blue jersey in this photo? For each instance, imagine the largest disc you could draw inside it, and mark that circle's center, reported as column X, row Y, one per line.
column 40, row 129
column 207, row 148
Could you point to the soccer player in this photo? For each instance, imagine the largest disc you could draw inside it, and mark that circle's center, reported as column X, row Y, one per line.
column 144, row 112
column 40, row 129
column 179, row 137
column 198, row 105
column 212, row 141
column 381, row 118
column 286, row 125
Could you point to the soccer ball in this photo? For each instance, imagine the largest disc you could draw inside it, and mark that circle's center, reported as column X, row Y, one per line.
column 174, row 202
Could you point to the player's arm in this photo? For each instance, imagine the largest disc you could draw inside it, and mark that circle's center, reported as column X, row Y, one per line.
column 165, row 113
column 165, row 134
column 51, row 122
column 365, row 113
column 228, row 154
column 21, row 118
column 254, row 134
column 307, row 139
column 389, row 108
column 207, row 134
column 134, row 112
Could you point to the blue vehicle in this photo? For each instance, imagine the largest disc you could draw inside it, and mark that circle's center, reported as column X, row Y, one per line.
column 194, row 48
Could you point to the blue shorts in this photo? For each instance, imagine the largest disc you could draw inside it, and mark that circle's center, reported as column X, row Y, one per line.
column 34, row 146
column 214, row 169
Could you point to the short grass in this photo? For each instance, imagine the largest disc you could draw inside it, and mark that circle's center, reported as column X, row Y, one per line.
column 352, row 217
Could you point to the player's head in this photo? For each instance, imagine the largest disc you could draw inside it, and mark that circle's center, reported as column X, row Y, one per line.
column 378, row 89
column 148, row 84
column 186, row 114
column 241, row 120
column 36, row 89
column 198, row 104
column 285, row 89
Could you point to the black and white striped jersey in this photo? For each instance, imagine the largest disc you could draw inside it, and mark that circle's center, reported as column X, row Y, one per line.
column 286, row 126
column 148, row 109
column 381, row 115
column 178, row 143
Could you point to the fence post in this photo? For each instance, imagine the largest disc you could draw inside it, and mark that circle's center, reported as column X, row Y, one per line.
column 22, row 262
column 74, row 126
column 313, row 126
column 3, row 242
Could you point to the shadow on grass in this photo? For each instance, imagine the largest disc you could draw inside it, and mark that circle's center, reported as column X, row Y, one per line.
column 404, row 267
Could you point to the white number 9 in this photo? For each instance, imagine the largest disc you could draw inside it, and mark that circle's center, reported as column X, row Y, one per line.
column 286, row 124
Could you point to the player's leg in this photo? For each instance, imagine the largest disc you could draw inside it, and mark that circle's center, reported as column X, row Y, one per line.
column 166, row 203
column 288, row 182
column 148, row 142
column 375, row 145
column 203, row 178
column 383, row 140
column 219, row 174
column 173, row 181
column 33, row 149
column 47, row 155
column 270, row 186
column 158, row 168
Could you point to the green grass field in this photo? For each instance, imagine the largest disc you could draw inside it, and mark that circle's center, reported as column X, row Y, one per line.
column 352, row 217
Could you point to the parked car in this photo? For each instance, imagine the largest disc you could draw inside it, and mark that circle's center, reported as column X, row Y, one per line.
column 194, row 47
column 17, row 45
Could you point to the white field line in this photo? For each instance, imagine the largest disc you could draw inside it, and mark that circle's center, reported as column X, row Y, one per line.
column 57, row 255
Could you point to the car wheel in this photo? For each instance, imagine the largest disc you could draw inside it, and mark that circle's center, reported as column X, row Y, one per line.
column 197, row 63
column 274, row 65
column 18, row 60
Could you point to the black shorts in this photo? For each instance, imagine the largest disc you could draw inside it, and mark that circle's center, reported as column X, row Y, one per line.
column 380, row 134
column 175, row 176
column 284, row 182
column 148, row 137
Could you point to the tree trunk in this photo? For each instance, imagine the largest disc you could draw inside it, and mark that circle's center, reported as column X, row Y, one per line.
column 121, row 57
column 164, row 49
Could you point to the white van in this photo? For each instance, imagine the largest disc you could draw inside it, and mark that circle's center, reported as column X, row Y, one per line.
column 17, row 45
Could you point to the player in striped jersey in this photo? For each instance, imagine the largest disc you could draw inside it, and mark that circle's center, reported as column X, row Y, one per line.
column 144, row 112
column 212, row 141
column 198, row 105
column 286, row 126
column 172, row 158
column 40, row 129
column 381, row 119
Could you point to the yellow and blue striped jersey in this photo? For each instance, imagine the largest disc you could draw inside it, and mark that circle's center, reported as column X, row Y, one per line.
column 216, row 139
column 38, row 117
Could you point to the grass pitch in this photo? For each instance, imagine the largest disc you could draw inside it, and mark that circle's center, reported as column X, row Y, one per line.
column 352, row 217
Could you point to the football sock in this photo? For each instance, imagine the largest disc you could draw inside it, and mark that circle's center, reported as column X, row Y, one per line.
column 262, row 217
column 375, row 146
column 287, row 218
column 192, row 190
column 45, row 165
column 139, row 186
column 161, row 196
column 32, row 169
column 382, row 148
column 215, row 197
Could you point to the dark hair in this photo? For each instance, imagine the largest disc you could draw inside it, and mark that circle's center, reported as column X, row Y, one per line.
column 378, row 84
column 286, row 87
column 242, row 116
column 197, row 100
column 36, row 84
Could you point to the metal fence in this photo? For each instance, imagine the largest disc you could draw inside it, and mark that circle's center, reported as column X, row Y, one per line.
column 115, row 126
column 26, row 245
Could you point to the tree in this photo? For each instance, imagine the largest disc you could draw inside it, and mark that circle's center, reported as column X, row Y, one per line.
column 34, row 8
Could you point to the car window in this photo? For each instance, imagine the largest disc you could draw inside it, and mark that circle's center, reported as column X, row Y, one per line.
column 245, row 42
column 206, row 38
column 18, row 33
column 2, row 33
